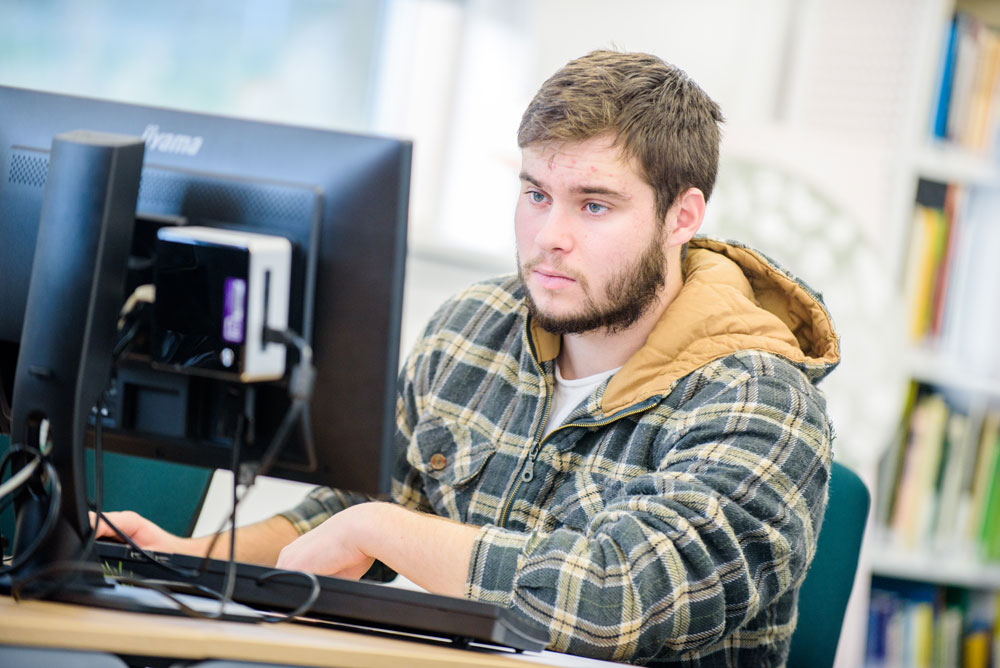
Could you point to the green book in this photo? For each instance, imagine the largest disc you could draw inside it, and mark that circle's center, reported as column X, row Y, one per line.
column 989, row 536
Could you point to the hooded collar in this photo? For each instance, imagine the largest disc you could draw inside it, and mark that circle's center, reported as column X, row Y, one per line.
column 734, row 298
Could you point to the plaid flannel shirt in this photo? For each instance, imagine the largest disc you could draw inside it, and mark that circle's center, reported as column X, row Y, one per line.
column 669, row 524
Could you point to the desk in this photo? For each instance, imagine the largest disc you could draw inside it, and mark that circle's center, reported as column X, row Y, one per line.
column 67, row 626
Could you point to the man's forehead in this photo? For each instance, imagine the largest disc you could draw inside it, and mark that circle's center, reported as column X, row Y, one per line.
column 598, row 157
column 603, row 144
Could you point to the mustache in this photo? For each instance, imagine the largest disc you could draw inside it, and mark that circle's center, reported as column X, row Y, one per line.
column 553, row 264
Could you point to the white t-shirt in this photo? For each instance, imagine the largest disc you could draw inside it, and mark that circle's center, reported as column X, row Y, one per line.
column 568, row 394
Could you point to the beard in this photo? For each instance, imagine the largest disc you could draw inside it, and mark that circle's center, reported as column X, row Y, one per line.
column 628, row 294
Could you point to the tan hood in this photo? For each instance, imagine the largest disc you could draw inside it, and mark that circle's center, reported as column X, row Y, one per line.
column 733, row 299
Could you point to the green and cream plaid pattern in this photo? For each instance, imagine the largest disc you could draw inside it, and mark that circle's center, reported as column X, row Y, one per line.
column 673, row 532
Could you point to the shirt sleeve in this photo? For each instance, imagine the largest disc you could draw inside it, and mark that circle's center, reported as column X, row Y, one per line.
column 688, row 552
column 319, row 505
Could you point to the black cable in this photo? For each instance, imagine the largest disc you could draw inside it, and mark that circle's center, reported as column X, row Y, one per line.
column 55, row 496
column 125, row 339
column 216, row 534
column 131, row 324
column 230, row 581
column 292, row 416
column 300, row 388
column 8, row 459
column 51, row 518
column 88, row 544
column 231, row 519
column 306, row 606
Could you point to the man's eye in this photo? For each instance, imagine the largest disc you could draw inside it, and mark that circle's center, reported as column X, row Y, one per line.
column 595, row 208
column 536, row 197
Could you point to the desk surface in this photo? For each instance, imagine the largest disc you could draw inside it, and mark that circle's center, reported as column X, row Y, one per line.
column 63, row 625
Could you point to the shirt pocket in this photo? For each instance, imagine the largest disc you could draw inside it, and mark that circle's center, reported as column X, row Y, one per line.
column 449, row 457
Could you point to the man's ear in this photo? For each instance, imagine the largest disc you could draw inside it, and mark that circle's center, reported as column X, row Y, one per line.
column 685, row 216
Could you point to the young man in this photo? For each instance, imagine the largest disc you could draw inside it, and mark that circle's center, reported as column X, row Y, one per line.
column 624, row 441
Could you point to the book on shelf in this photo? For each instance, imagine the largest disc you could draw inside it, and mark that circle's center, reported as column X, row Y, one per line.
column 953, row 273
column 987, row 452
column 966, row 108
column 929, row 231
column 932, row 246
column 953, row 479
column 947, row 64
column 891, row 464
column 963, row 72
column 917, row 624
column 917, row 492
column 989, row 528
column 939, row 483
column 949, row 221
column 982, row 115
column 957, row 307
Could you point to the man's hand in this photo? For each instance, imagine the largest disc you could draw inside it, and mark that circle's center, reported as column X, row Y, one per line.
column 431, row 551
column 144, row 533
column 332, row 548
column 258, row 543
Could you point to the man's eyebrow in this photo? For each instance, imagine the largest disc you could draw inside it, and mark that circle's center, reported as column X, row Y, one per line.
column 579, row 190
column 600, row 190
column 525, row 176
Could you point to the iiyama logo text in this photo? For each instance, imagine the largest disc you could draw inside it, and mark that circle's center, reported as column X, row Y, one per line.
column 167, row 142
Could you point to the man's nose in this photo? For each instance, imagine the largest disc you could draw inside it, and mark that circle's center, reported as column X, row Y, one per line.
column 556, row 234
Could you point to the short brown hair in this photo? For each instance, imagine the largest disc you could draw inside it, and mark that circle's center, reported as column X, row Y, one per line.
column 659, row 116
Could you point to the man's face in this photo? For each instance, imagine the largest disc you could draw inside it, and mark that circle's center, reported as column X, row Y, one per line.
column 591, row 252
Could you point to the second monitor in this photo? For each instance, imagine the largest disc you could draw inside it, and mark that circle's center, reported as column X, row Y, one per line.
column 341, row 201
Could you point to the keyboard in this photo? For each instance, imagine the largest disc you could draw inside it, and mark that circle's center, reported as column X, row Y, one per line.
column 361, row 604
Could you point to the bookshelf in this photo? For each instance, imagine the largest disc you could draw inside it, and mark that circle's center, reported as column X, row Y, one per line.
column 940, row 161
column 933, row 553
column 957, row 569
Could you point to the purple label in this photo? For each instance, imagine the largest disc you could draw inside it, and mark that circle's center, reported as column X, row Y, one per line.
column 234, row 310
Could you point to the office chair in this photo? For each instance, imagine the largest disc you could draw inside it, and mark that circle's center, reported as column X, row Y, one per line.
column 824, row 593
column 167, row 493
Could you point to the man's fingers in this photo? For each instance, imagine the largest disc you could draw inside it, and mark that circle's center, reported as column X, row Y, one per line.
column 128, row 522
column 102, row 528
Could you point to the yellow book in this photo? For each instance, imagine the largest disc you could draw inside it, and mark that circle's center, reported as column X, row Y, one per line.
column 976, row 650
column 922, row 270
column 923, row 634
column 996, row 632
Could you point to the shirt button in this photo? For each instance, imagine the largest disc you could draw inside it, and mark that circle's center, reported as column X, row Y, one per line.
column 438, row 461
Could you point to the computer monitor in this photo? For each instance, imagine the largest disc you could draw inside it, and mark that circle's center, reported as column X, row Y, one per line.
column 341, row 199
